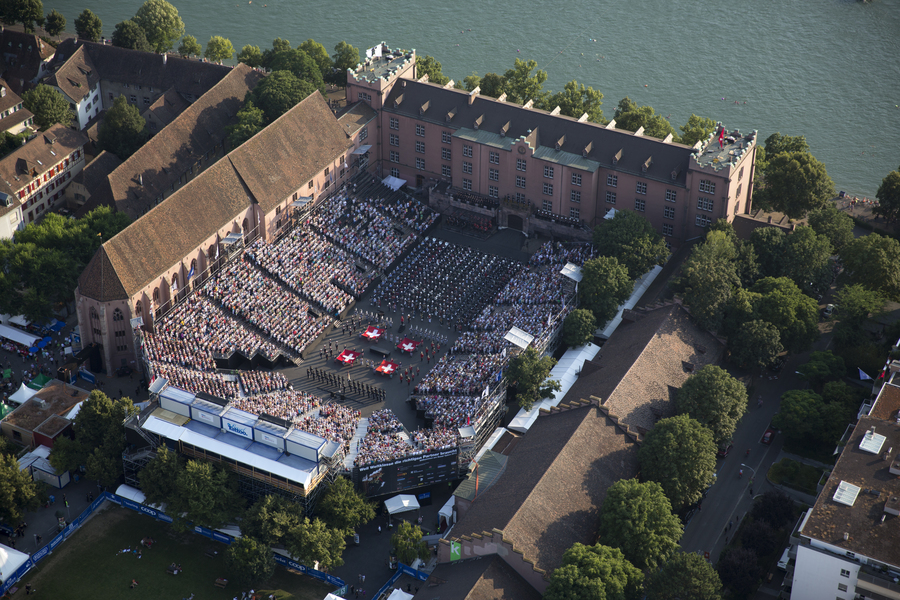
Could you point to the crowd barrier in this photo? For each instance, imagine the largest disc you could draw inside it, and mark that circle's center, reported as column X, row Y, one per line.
column 218, row 536
column 401, row 570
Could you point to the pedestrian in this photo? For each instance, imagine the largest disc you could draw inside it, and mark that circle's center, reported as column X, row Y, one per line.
column 28, row 589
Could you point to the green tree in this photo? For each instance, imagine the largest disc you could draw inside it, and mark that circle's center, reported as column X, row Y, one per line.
column 18, row 491
column 631, row 117
column 756, row 344
column 871, row 261
column 408, row 545
column 123, row 130
column 207, row 495
column 48, row 105
column 249, row 562
column 760, row 537
column 679, row 453
column 576, row 100
column 345, row 57
column 470, row 82
column 128, row 34
column 637, row 519
column 888, row 195
column 855, row 303
column 492, row 85
column 685, row 575
column 55, row 23
column 99, row 439
column 250, row 121
column 739, row 570
column 795, row 315
column 218, row 49
column 833, row 224
column 300, row 64
column 632, row 240
column 311, row 542
column 604, row 286
column 344, row 508
column 579, row 327
column 251, row 56
column 26, row 12
column 521, row 85
column 279, row 92
column 777, row 143
column 697, row 129
column 88, row 26
column 796, row 183
column 529, row 371
column 714, row 398
column 807, row 258
column 821, row 368
column 158, row 478
column 709, row 278
column 800, row 415
column 428, row 65
column 34, row 280
column 838, row 392
column 271, row 518
column 160, row 21
column 738, row 311
column 319, row 54
column 189, row 47
column 594, row 573
column 775, row 508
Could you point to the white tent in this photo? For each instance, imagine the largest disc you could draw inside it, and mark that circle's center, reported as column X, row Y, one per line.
column 18, row 336
column 11, row 559
column 640, row 286
column 400, row 595
column 22, row 394
column 401, row 503
column 395, row 183
column 447, row 510
column 333, row 597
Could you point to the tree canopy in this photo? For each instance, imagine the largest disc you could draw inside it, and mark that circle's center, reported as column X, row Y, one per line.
column 821, row 368
column 631, row 117
column 345, row 57
column 774, row 507
column 714, row 398
column 218, row 49
column 428, row 65
column 529, row 372
column 55, row 23
column 679, row 453
column 796, row 183
column 206, row 495
column 128, row 34
column 279, row 92
column 161, row 23
column 99, row 439
column 159, row 477
column 709, row 277
column 637, row 519
column 344, row 508
column 319, row 54
column 27, row 12
column 579, row 327
column 48, row 105
column 833, row 224
column 407, row 543
column 595, row 572
column 605, row 285
column 250, row 121
column 524, row 82
column 250, row 562
column 800, row 414
column 18, row 491
column 632, row 240
column 310, row 542
column 756, row 343
column 123, row 130
column 871, row 261
column 88, row 26
column 696, row 129
column 739, row 570
column 794, row 314
column 685, row 575
column 576, row 100
column 251, row 56
column 271, row 518
column 190, row 46
column 888, row 195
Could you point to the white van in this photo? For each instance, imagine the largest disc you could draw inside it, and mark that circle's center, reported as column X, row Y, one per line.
column 783, row 561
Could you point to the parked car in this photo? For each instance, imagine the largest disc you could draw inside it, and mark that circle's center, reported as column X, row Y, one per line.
column 724, row 449
column 784, row 560
column 768, row 436
column 829, row 310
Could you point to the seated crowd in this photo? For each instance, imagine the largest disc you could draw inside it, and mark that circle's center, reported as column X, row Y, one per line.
column 559, row 253
column 193, row 381
column 252, row 296
column 454, row 412
column 414, row 215
column 260, row 382
column 286, row 404
column 462, row 375
column 334, row 422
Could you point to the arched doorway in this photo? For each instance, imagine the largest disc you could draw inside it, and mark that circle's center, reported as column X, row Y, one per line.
column 515, row 222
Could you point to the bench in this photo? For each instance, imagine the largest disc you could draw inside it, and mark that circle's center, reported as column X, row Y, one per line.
column 220, row 583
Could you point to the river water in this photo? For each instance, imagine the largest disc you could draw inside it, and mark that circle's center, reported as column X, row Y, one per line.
column 826, row 69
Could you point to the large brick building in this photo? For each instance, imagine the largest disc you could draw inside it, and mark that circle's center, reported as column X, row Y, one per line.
column 566, row 166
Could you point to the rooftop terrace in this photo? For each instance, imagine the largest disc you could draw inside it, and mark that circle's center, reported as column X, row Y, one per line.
column 382, row 62
column 733, row 147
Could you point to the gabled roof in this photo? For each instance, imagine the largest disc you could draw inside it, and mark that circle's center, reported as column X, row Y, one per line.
column 555, row 480
column 121, row 65
column 488, row 578
column 22, row 54
column 167, row 107
column 288, row 153
column 644, row 363
column 355, row 117
column 158, row 164
column 41, row 154
column 542, row 128
column 99, row 279
column 95, row 178
column 76, row 77
column 165, row 235
column 9, row 99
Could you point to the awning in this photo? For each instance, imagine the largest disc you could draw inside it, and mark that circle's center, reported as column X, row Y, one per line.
column 362, row 149
column 395, row 183
column 401, row 503
column 572, row 271
column 232, row 238
column 518, row 337
column 301, row 201
column 18, row 336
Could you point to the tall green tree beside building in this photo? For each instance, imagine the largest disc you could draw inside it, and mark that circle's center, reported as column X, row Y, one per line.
column 161, row 23
column 189, row 47
column 88, row 26
column 123, row 130
column 128, row 34
column 48, row 105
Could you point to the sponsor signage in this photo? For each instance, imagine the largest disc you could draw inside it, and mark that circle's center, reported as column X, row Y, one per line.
column 406, row 473
column 237, row 429
column 205, row 417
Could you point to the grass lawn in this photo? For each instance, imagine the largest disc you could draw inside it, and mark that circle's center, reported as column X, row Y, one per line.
column 88, row 565
column 801, row 477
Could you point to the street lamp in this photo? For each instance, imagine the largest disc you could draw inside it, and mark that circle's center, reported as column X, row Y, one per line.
column 749, row 467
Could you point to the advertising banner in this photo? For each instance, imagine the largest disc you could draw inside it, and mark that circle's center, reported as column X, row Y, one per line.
column 406, row 473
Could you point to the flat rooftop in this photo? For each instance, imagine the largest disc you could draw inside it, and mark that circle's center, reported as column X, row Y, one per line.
column 373, row 69
column 58, row 397
column 887, row 405
column 733, row 147
column 859, row 518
